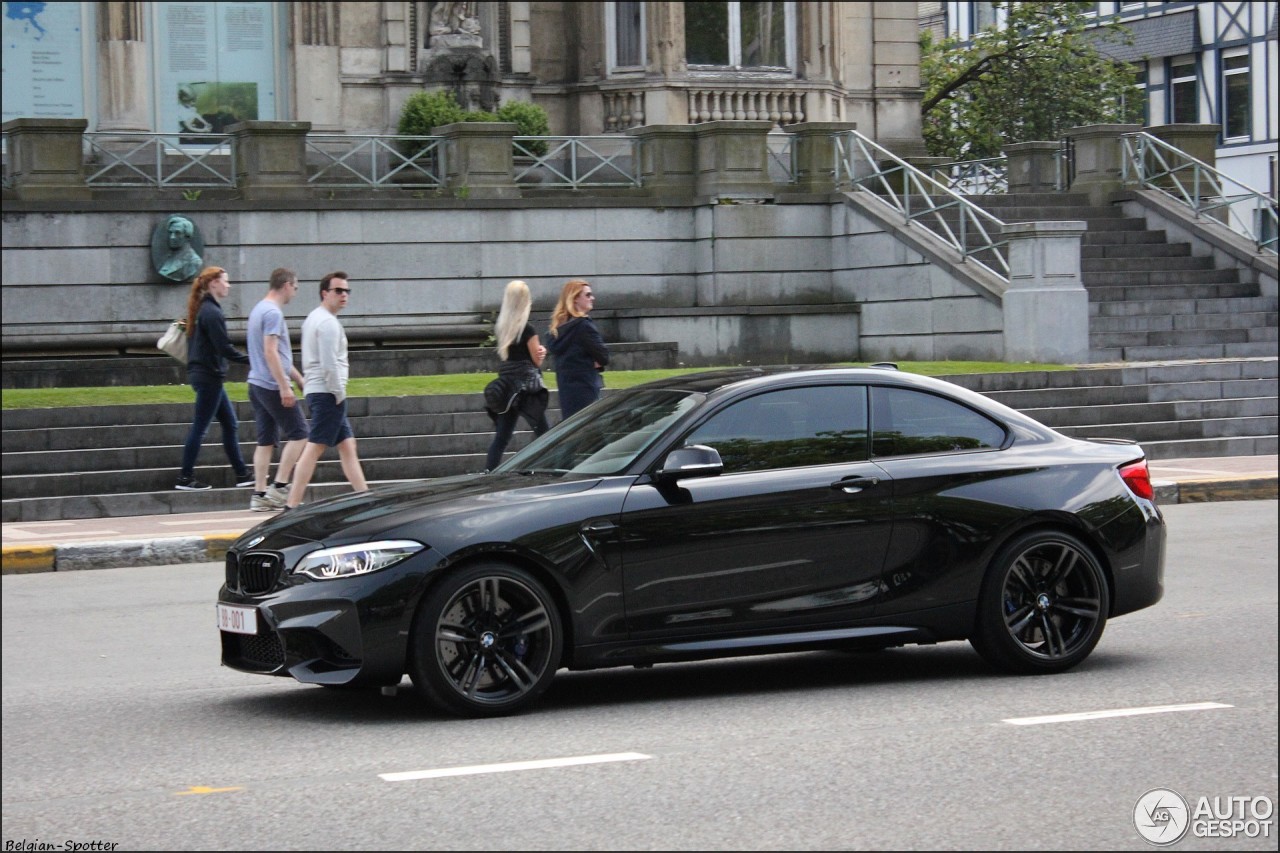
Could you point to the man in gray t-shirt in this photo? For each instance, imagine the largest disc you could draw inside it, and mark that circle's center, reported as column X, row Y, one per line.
column 276, row 412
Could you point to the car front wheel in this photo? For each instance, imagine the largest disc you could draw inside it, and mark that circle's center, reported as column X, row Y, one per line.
column 486, row 641
column 1043, row 604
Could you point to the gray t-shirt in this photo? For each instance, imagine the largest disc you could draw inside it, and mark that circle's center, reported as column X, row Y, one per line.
column 265, row 319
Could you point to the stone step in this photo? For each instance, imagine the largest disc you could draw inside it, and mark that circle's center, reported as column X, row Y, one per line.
column 1146, row 292
column 1189, row 337
column 1090, row 251
column 1144, row 263
column 1169, row 322
column 997, row 200
column 156, row 435
column 1259, row 349
column 1125, row 395
column 1196, row 448
column 125, row 459
column 1134, row 277
column 1182, row 430
column 1128, row 237
column 1185, row 307
column 160, row 479
column 1059, row 417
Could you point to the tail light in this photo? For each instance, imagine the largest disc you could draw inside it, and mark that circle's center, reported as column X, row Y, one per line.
column 1138, row 479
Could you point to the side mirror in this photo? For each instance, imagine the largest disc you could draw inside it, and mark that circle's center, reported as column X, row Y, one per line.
column 695, row 460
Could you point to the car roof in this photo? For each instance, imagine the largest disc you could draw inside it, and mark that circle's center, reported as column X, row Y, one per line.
column 771, row 375
column 718, row 383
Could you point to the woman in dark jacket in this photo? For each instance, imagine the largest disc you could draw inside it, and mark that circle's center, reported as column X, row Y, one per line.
column 208, row 350
column 518, row 390
column 579, row 350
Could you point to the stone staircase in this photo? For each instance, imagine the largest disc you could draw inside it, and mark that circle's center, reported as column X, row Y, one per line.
column 1151, row 299
column 117, row 461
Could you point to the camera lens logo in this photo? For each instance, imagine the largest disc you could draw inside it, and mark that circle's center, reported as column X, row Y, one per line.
column 1161, row 816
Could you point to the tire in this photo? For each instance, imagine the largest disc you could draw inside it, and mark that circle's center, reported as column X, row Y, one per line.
column 485, row 641
column 1043, row 604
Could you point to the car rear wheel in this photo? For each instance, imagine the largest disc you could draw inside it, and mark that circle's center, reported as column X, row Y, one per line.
column 486, row 641
column 1043, row 604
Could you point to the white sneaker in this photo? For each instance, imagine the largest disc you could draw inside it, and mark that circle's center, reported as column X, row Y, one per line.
column 279, row 495
column 265, row 503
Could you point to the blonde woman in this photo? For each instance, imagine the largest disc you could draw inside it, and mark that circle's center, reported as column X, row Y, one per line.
column 578, row 347
column 208, row 350
column 518, row 390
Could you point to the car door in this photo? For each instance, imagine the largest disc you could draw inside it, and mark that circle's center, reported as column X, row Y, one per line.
column 955, row 489
column 792, row 535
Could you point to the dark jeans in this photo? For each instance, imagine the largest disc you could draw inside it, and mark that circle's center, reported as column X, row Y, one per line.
column 211, row 401
column 504, row 426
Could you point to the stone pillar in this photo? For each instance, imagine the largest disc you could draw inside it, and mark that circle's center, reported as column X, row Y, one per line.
column 1046, row 308
column 668, row 158
column 815, row 154
column 46, row 158
column 1098, row 158
column 1198, row 140
column 478, row 159
column 124, row 96
column 271, row 159
column 733, row 160
column 317, row 70
column 1033, row 167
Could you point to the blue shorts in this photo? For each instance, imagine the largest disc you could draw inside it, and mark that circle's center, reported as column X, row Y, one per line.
column 272, row 418
column 329, row 424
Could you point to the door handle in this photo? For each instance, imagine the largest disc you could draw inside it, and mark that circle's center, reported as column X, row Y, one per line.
column 596, row 528
column 853, row 485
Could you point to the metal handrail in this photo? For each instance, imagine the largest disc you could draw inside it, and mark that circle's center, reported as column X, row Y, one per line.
column 160, row 160
column 989, row 176
column 915, row 196
column 1213, row 197
column 572, row 161
column 375, row 160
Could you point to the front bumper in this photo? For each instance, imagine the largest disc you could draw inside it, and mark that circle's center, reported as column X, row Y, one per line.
column 340, row 631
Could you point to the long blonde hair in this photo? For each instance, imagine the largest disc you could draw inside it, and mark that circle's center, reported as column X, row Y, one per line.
column 512, row 317
column 564, row 306
column 199, row 287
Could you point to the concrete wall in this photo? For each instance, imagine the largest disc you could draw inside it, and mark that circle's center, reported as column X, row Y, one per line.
column 729, row 283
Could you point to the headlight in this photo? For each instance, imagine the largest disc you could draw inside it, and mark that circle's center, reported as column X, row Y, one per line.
column 359, row 559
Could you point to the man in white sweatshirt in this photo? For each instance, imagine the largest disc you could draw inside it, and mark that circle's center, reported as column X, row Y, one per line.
column 324, row 374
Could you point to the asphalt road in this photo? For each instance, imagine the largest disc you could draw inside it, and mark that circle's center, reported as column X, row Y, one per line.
column 119, row 727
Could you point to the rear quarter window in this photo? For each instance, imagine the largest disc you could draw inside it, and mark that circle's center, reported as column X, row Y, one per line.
column 906, row 423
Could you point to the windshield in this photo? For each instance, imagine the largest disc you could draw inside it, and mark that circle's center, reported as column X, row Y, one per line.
column 606, row 437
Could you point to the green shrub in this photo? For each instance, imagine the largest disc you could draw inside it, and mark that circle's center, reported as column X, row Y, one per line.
column 530, row 120
column 425, row 111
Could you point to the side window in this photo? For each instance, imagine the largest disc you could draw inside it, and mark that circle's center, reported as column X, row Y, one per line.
column 789, row 428
column 906, row 422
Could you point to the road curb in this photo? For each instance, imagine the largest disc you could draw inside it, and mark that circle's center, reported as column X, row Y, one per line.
column 116, row 553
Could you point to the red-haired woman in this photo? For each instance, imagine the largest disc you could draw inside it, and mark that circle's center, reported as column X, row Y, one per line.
column 578, row 348
column 209, row 349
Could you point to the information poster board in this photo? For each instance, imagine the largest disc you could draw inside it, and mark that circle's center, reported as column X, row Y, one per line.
column 43, row 61
column 215, row 65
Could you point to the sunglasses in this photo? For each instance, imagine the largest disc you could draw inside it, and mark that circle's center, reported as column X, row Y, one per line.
column 343, row 290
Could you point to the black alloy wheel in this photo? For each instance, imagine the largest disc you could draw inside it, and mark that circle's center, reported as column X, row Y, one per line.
column 486, row 641
column 1043, row 605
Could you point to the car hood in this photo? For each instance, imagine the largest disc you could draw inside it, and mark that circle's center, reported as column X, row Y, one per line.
column 381, row 511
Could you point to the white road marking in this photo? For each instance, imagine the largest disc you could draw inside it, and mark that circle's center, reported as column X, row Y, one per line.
column 511, row 766
column 1115, row 712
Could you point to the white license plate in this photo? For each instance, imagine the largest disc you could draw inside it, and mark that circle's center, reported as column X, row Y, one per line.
column 237, row 620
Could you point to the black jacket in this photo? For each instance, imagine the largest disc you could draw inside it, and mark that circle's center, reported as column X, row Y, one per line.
column 578, row 347
column 208, row 345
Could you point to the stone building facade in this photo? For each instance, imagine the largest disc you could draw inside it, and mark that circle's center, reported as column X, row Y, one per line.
column 597, row 67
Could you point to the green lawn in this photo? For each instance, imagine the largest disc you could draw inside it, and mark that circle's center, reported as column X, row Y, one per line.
column 409, row 386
